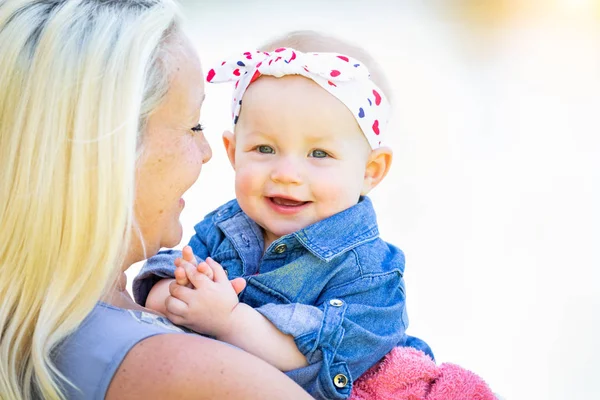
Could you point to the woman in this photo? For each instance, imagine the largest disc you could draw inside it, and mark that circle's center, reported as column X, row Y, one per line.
column 99, row 139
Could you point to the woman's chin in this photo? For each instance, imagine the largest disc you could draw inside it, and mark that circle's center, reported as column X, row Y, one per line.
column 174, row 238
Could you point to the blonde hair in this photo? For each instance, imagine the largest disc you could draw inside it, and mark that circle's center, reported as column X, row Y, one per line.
column 312, row 41
column 78, row 78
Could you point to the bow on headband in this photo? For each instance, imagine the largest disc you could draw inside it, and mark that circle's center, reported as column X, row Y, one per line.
column 344, row 77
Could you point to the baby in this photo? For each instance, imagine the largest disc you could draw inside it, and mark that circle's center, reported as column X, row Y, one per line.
column 324, row 298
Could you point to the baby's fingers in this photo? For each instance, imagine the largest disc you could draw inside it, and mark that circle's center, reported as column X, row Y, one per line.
column 195, row 277
column 238, row 285
column 188, row 255
column 181, row 277
column 219, row 272
column 205, row 269
column 176, row 310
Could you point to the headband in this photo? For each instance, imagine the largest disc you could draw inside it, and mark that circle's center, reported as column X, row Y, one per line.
column 344, row 77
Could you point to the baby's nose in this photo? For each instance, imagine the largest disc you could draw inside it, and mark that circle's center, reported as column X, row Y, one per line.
column 286, row 171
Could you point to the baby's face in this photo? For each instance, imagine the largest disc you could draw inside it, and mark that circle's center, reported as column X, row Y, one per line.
column 299, row 155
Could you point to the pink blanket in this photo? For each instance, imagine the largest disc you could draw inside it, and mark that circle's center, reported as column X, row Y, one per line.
column 409, row 374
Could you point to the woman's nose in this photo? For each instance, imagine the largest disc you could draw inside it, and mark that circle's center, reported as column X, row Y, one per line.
column 205, row 150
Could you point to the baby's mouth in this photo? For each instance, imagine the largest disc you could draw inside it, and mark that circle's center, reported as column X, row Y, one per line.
column 280, row 201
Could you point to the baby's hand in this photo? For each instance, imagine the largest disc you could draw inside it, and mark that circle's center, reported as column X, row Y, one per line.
column 207, row 305
column 188, row 257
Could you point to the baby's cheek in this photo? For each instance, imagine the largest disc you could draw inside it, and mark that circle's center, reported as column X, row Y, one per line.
column 337, row 194
column 246, row 182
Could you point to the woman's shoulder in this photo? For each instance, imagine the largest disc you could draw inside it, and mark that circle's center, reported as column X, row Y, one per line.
column 196, row 367
column 118, row 353
column 91, row 355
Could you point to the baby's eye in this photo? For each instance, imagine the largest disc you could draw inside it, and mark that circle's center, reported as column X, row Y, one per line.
column 265, row 149
column 318, row 154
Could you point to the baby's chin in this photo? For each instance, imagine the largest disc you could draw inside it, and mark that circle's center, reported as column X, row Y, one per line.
column 277, row 232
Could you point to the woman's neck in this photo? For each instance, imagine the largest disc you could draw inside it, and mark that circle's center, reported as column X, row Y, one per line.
column 118, row 295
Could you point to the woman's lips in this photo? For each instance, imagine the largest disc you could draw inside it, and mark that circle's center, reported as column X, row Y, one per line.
column 181, row 202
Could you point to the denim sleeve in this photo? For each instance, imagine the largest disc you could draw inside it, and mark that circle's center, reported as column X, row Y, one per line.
column 199, row 242
column 352, row 328
column 162, row 265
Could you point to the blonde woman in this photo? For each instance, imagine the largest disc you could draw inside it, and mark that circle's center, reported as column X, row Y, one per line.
column 99, row 139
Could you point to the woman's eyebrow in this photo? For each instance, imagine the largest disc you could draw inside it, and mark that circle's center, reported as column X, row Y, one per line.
column 197, row 107
column 202, row 100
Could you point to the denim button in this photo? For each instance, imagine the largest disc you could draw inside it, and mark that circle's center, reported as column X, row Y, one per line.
column 340, row 381
column 336, row 303
column 246, row 240
column 280, row 248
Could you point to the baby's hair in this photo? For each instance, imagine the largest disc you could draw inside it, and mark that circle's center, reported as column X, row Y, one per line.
column 308, row 41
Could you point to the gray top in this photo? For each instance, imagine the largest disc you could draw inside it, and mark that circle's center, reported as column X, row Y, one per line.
column 90, row 356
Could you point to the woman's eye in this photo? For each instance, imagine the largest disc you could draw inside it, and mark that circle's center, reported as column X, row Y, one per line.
column 198, row 128
column 265, row 149
column 318, row 154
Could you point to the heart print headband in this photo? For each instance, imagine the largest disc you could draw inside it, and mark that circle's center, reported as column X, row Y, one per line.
column 344, row 77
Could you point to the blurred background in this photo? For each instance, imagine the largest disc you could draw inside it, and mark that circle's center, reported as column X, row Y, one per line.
column 494, row 190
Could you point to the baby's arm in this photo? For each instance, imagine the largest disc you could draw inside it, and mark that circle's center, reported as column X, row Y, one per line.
column 154, row 270
column 212, row 308
column 157, row 296
column 348, row 329
column 254, row 333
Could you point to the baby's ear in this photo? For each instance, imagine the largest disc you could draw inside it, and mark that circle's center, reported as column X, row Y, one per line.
column 378, row 165
column 229, row 142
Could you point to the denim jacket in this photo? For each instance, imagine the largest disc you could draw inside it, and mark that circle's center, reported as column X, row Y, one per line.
column 334, row 286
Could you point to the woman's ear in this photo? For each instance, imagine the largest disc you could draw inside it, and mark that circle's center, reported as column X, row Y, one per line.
column 378, row 165
column 229, row 142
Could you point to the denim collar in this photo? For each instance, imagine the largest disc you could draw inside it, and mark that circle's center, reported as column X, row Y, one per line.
column 325, row 239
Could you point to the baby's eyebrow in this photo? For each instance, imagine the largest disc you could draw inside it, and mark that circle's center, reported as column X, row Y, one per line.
column 252, row 131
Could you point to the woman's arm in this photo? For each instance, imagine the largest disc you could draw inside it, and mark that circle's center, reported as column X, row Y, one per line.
column 193, row 367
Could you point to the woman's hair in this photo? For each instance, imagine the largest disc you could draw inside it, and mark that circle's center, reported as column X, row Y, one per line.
column 78, row 79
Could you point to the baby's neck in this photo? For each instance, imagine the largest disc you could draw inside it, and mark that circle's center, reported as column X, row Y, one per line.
column 268, row 238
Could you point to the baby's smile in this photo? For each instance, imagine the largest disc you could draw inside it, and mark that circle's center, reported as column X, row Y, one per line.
column 286, row 205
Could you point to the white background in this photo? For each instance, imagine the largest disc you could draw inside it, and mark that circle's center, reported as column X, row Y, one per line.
column 494, row 191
